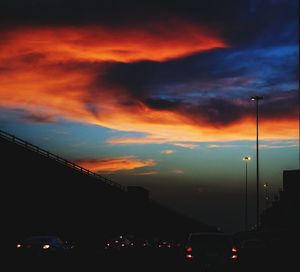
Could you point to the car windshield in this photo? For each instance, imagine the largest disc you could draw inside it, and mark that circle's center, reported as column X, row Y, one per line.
column 41, row 239
column 209, row 240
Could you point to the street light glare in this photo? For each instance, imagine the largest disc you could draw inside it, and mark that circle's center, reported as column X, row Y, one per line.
column 256, row 98
column 247, row 158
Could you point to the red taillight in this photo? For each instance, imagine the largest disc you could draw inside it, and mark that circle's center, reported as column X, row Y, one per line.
column 189, row 249
column 189, row 253
column 234, row 255
column 46, row 246
column 189, row 256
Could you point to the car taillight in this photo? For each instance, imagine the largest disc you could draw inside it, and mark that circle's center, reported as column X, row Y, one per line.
column 46, row 246
column 189, row 256
column 189, row 253
column 19, row 245
column 234, row 255
column 189, row 249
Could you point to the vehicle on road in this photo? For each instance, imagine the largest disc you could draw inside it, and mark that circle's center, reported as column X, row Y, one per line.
column 209, row 250
column 43, row 246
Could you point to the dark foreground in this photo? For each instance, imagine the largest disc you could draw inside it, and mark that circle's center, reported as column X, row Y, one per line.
column 147, row 260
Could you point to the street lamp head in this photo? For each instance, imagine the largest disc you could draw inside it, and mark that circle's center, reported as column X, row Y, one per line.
column 247, row 158
column 256, row 98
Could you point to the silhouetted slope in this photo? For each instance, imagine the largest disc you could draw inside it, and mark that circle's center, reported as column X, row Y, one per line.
column 42, row 194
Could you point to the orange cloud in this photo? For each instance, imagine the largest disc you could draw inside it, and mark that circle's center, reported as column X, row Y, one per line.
column 167, row 151
column 149, row 173
column 114, row 164
column 49, row 72
column 220, row 146
column 102, row 43
column 187, row 145
column 279, row 144
column 191, row 132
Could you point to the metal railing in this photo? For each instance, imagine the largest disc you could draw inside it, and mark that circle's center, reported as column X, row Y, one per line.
column 58, row 159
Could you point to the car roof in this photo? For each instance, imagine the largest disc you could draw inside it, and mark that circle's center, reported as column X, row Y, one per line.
column 42, row 237
column 209, row 233
column 222, row 235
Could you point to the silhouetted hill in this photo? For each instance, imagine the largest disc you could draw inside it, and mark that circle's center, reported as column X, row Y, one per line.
column 43, row 193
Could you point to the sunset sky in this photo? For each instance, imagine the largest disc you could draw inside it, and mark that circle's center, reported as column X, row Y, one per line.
column 158, row 94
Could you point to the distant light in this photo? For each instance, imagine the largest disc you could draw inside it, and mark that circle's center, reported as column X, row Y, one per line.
column 189, row 256
column 234, row 249
column 108, row 244
column 18, row 245
column 256, row 98
column 234, row 257
column 247, row 158
column 46, row 246
column 122, row 245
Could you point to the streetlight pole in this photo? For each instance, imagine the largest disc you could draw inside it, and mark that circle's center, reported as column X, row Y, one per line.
column 246, row 159
column 256, row 99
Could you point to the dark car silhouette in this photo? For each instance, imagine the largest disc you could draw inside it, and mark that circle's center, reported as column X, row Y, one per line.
column 43, row 246
column 210, row 250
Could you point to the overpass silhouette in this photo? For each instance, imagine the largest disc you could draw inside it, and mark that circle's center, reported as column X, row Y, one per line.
column 45, row 193
column 58, row 159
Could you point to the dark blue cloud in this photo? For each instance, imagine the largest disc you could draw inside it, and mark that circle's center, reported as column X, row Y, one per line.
column 220, row 111
column 224, row 72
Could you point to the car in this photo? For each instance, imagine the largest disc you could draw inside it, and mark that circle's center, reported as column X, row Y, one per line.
column 164, row 244
column 117, row 243
column 43, row 246
column 210, row 250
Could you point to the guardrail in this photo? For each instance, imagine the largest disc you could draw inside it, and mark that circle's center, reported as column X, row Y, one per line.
column 49, row 155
